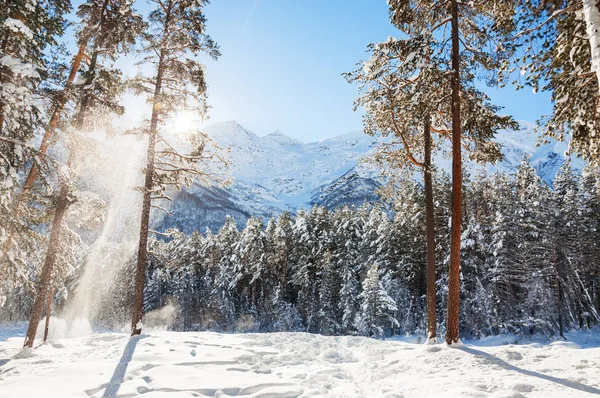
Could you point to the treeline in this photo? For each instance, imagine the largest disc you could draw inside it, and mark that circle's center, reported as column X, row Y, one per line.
column 529, row 264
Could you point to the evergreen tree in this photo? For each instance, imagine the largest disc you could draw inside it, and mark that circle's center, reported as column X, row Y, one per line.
column 27, row 30
column 348, row 235
column 174, row 40
column 590, row 240
column 229, row 274
column 560, row 42
column 411, row 87
column 113, row 28
column 377, row 307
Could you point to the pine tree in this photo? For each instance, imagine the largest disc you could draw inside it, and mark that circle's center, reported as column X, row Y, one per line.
column 590, row 241
column 228, row 275
column 112, row 28
column 175, row 38
column 410, row 89
column 560, row 55
column 27, row 30
column 305, row 268
column 348, row 235
column 253, row 253
column 536, row 255
column 569, row 233
column 282, row 247
column 377, row 307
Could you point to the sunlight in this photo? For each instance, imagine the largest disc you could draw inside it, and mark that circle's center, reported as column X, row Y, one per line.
column 182, row 122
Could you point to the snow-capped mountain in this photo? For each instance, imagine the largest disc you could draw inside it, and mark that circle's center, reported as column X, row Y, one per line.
column 273, row 173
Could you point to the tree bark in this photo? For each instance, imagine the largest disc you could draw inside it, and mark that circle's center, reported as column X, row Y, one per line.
column 51, row 253
column 48, row 312
column 140, row 276
column 86, row 101
column 454, row 271
column 60, row 105
column 4, row 46
column 558, row 295
column 591, row 15
column 427, row 177
column 48, row 134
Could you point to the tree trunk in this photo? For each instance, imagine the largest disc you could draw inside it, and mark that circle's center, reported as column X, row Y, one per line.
column 140, row 275
column 53, row 249
column 60, row 105
column 86, row 101
column 591, row 15
column 558, row 294
column 454, row 271
column 33, row 171
column 427, row 177
column 48, row 311
column 284, row 277
column 3, row 47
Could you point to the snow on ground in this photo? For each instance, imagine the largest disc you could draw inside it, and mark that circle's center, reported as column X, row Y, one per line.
column 286, row 365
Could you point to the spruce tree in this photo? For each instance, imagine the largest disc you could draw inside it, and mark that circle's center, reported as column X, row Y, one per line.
column 377, row 307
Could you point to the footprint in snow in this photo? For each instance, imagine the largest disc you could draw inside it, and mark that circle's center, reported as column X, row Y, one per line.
column 522, row 387
column 513, row 356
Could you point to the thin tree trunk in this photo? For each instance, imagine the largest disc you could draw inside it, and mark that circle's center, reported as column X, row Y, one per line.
column 51, row 253
column 374, row 313
column 558, row 294
column 48, row 311
column 140, row 276
column 427, row 177
column 4, row 45
column 86, row 101
column 48, row 134
column 284, row 277
column 60, row 105
column 454, row 272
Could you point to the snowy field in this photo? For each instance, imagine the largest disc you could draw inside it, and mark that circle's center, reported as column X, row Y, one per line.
column 286, row 365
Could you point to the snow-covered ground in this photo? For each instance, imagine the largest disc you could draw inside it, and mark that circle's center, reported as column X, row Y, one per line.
column 285, row 365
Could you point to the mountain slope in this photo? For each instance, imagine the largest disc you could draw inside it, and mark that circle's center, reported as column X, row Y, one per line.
column 274, row 173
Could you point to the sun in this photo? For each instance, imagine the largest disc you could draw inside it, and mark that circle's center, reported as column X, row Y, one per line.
column 182, row 122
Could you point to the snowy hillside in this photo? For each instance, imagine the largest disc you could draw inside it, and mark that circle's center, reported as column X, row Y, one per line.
column 289, row 365
column 274, row 172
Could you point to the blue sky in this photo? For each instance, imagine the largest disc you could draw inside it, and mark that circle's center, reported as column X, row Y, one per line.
column 283, row 60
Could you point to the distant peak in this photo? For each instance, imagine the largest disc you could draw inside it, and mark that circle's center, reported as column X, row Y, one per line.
column 279, row 137
column 230, row 127
column 231, row 124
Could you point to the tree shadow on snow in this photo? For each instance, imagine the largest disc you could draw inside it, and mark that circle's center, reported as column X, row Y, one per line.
column 119, row 374
column 490, row 359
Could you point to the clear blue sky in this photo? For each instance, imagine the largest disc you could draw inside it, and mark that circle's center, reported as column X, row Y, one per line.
column 283, row 59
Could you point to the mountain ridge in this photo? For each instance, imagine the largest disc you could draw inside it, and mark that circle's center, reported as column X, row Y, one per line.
column 273, row 173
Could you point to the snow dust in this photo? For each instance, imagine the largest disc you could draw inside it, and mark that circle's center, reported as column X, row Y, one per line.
column 288, row 365
column 115, row 173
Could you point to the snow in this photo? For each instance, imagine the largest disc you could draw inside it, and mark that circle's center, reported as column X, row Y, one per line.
column 286, row 173
column 18, row 26
column 286, row 365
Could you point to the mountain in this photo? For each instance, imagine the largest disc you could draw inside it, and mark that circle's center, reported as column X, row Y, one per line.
column 274, row 173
